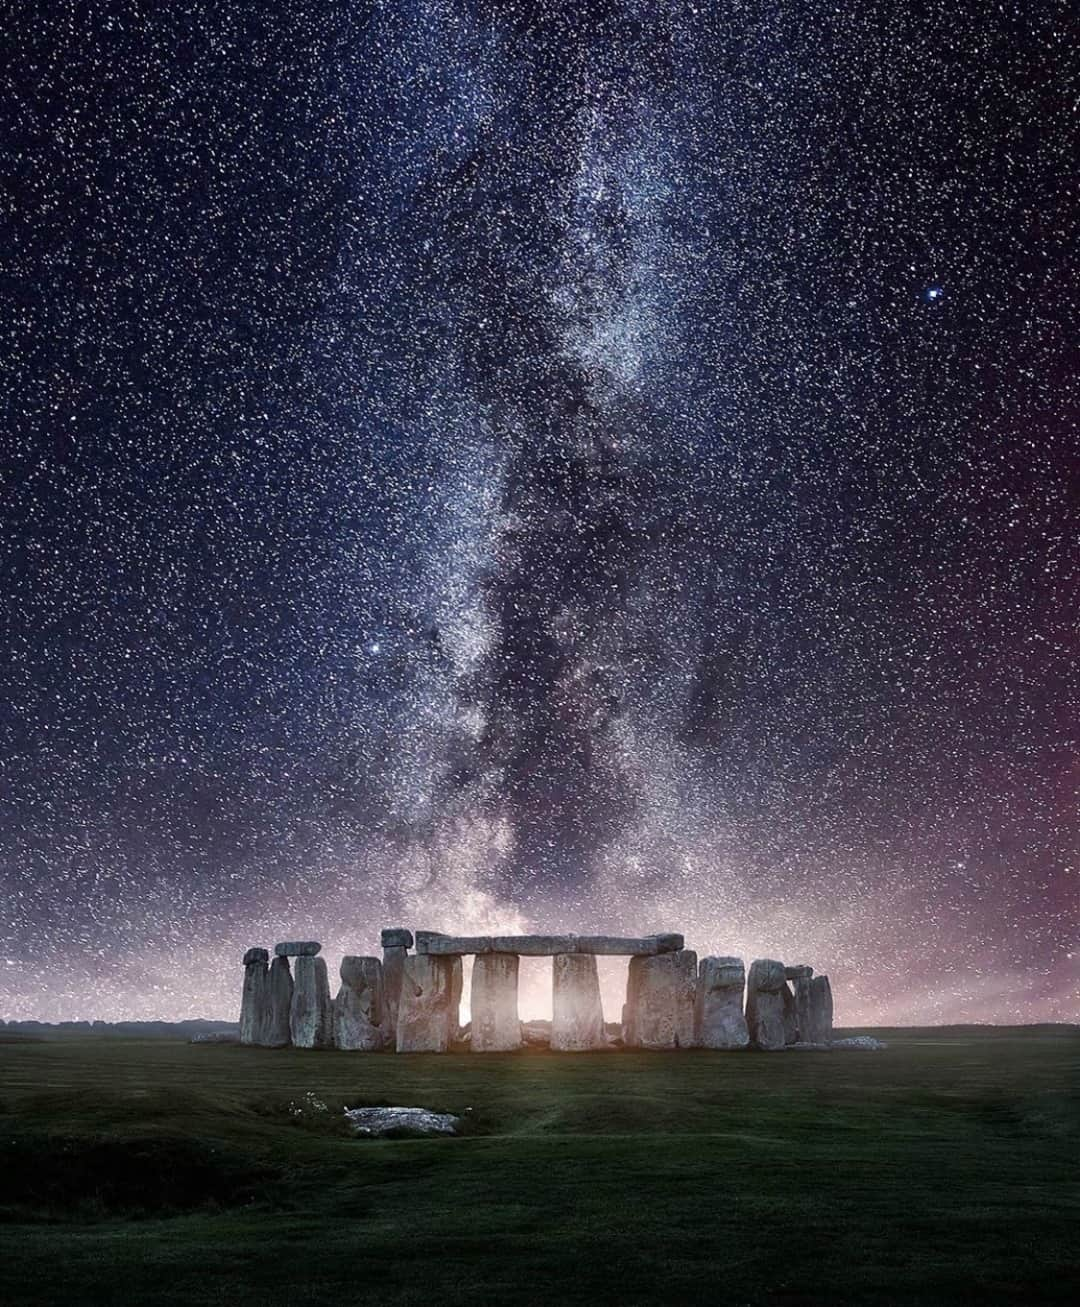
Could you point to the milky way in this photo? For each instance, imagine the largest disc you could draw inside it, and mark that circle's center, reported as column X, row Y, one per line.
column 562, row 466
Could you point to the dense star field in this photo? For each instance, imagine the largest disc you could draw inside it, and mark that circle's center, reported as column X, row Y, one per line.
column 480, row 465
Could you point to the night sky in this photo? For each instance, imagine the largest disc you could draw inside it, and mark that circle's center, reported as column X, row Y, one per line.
column 541, row 465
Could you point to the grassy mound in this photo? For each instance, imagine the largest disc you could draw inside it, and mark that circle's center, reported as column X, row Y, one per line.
column 940, row 1171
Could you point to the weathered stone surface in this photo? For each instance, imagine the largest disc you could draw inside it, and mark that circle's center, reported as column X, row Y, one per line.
column 791, row 1021
column 255, row 1000
column 864, row 1043
column 359, row 1011
column 394, row 956
column 634, row 946
column 256, row 955
column 304, row 948
column 814, row 1009
column 457, row 984
column 798, row 973
column 281, row 991
column 496, row 1027
column 765, row 1004
column 821, row 1010
column 311, row 1017
column 578, row 1019
column 378, row 1121
column 686, row 968
column 435, row 943
column 534, row 946
column 660, row 993
column 427, row 1017
column 396, row 937
column 719, row 1008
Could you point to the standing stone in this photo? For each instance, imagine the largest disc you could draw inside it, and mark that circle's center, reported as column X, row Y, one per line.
column 396, row 943
column 359, row 1011
column 255, row 997
column 660, row 993
column 311, row 1017
column 686, row 968
column 457, row 984
column 813, row 999
column 719, row 1011
column 427, row 1018
column 765, row 1004
column 280, row 985
column 496, row 1027
column 578, row 1019
column 823, row 1007
column 791, row 1019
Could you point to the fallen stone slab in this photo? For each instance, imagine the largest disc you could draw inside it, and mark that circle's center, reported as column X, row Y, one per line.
column 375, row 1122
column 866, row 1043
column 304, row 948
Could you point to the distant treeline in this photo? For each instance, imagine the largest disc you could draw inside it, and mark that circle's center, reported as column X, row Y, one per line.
column 21, row 1030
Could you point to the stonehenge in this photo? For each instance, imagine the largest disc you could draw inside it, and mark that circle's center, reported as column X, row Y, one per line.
column 409, row 1002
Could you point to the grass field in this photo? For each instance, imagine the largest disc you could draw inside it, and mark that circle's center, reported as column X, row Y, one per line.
column 942, row 1170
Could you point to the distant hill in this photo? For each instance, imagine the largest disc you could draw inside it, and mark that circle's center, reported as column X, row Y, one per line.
column 21, row 1031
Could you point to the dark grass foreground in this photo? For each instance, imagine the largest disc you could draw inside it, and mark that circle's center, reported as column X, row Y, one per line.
column 943, row 1170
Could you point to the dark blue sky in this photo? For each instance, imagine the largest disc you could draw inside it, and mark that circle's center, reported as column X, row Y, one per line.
column 483, row 464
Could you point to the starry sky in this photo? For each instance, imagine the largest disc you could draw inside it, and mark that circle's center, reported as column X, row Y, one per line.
column 485, row 464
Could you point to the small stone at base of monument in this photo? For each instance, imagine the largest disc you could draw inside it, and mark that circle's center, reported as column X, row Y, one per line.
column 396, row 937
column 255, row 955
column 304, row 948
column 536, row 1034
column 377, row 1122
column 866, row 1042
column 216, row 1037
